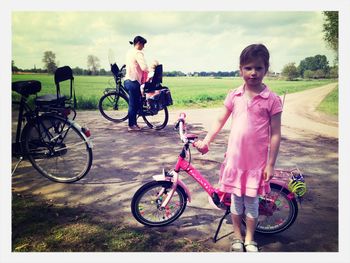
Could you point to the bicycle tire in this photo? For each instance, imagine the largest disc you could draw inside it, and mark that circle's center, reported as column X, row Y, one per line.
column 277, row 212
column 145, row 204
column 157, row 121
column 57, row 148
column 114, row 106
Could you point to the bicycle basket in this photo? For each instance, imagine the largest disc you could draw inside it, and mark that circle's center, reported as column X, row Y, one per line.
column 160, row 100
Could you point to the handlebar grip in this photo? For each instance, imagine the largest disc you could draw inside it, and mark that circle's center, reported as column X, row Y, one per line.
column 182, row 116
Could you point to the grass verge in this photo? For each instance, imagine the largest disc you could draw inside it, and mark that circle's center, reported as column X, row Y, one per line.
column 41, row 226
column 330, row 104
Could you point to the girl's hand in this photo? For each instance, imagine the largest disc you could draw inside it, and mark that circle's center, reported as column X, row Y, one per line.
column 268, row 173
column 201, row 146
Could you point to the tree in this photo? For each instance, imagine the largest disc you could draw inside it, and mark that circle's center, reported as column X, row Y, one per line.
column 308, row 74
column 318, row 62
column 290, row 71
column 49, row 61
column 93, row 64
column 333, row 72
column 13, row 66
column 331, row 30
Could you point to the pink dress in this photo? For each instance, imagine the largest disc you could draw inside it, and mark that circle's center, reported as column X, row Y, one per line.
column 242, row 170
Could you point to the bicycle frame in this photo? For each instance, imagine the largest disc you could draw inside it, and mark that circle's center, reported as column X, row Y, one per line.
column 174, row 178
column 24, row 112
column 281, row 177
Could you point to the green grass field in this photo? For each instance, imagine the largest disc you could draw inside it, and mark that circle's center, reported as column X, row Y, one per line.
column 186, row 91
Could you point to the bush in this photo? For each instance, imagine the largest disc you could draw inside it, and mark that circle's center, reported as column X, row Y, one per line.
column 290, row 71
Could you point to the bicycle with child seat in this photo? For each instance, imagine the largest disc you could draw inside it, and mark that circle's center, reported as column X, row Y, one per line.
column 163, row 200
column 57, row 147
column 113, row 105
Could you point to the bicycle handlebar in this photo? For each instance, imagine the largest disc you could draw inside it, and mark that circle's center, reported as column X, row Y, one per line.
column 181, row 126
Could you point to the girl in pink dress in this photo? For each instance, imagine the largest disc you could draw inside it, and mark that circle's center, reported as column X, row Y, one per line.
column 253, row 143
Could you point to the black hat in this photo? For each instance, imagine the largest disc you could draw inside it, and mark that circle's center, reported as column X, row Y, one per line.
column 138, row 39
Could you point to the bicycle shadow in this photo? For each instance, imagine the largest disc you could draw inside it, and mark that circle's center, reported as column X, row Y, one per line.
column 124, row 161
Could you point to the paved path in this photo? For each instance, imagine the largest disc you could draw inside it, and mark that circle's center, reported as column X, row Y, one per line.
column 124, row 161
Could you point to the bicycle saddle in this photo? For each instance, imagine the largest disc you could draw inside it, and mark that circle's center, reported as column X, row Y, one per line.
column 191, row 136
column 26, row 87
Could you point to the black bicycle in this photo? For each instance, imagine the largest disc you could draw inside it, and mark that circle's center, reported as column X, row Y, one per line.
column 113, row 105
column 57, row 147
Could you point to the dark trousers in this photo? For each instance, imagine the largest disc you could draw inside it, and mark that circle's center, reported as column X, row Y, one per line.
column 134, row 100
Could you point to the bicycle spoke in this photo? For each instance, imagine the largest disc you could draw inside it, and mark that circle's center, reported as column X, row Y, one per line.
column 60, row 153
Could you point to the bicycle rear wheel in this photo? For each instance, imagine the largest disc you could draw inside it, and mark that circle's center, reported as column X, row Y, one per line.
column 157, row 121
column 114, row 106
column 277, row 211
column 57, row 148
column 146, row 204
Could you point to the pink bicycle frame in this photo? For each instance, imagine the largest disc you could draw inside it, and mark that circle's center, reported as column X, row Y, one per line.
column 281, row 177
column 184, row 165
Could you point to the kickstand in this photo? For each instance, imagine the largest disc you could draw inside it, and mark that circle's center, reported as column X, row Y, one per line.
column 14, row 169
column 220, row 223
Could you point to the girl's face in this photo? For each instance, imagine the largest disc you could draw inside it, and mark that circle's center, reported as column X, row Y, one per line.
column 253, row 73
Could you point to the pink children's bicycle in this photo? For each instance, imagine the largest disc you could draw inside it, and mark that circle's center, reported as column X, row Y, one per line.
column 163, row 200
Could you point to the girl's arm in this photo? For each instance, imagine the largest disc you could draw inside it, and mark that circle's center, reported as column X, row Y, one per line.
column 203, row 146
column 274, row 146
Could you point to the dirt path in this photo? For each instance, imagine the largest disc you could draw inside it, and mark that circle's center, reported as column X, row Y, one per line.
column 124, row 161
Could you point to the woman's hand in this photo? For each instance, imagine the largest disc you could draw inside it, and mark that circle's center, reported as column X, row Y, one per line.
column 268, row 173
column 201, row 146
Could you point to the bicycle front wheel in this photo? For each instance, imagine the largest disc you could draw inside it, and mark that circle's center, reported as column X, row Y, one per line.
column 57, row 148
column 114, row 107
column 147, row 201
column 277, row 211
column 157, row 121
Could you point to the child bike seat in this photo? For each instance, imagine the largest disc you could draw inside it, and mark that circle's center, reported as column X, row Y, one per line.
column 26, row 87
column 50, row 99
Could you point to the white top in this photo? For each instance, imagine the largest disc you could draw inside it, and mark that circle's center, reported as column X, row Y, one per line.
column 135, row 65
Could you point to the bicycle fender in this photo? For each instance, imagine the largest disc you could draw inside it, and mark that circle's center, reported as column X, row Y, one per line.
column 162, row 177
column 88, row 140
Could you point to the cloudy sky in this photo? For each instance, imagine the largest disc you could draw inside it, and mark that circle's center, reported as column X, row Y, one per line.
column 181, row 40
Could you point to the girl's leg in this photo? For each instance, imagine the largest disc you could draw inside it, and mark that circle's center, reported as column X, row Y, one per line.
column 252, row 212
column 237, row 211
column 251, row 225
column 237, row 221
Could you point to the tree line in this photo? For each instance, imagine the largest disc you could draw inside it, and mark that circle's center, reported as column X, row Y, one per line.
column 316, row 67
column 93, row 63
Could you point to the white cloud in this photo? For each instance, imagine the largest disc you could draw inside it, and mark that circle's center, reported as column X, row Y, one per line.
column 186, row 41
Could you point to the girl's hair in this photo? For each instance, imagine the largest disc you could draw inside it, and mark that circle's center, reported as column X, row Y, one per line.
column 138, row 39
column 253, row 52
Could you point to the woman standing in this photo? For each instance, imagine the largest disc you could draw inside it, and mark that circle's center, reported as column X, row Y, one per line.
column 136, row 67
